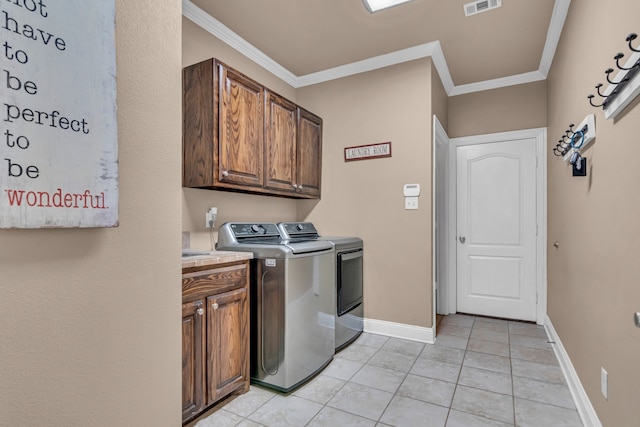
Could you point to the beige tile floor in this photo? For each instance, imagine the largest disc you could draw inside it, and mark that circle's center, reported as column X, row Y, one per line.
column 480, row 372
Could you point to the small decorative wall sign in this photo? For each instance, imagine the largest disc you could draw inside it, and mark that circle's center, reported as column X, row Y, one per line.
column 58, row 129
column 371, row 151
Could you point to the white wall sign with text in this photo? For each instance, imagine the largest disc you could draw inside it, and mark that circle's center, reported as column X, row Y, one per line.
column 58, row 128
column 371, row 151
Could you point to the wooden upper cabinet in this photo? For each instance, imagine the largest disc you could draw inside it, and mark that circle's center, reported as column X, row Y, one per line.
column 281, row 140
column 239, row 154
column 309, row 153
column 238, row 135
column 199, row 121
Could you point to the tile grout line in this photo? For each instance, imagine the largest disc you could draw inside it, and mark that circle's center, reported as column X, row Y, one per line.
column 513, row 391
column 396, row 392
column 466, row 348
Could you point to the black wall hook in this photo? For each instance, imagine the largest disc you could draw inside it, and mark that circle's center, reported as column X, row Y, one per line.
column 609, row 71
column 618, row 57
column 591, row 101
column 598, row 86
column 631, row 37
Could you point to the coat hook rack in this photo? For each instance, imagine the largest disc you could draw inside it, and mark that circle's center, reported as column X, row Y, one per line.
column 624, row 86
column 573, row 143
column 564, row 143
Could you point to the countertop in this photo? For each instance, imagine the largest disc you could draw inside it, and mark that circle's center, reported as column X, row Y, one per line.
column 213, row 258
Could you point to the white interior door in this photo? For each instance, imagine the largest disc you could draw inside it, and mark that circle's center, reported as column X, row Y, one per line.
column 440, row 202
column 496, row 229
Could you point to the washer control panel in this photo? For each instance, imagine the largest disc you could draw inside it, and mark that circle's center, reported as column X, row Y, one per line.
column 254, row 229
column 297, row 229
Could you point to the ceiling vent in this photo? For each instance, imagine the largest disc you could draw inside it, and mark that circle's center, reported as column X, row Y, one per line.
column 481, row 6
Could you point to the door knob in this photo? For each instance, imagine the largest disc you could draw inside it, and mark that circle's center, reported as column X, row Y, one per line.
column 463, row 239
column 636, row 319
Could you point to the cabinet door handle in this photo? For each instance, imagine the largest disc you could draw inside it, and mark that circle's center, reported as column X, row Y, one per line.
column 295, row 186
column 200, row 311
column 300, row 187
column 225, row 174
column 214, row 305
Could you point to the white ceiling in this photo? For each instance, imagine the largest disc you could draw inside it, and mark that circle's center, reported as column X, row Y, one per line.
column 309, row 41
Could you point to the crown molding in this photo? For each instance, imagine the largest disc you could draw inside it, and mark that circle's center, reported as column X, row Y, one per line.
column 432, row 49
column 440, row 63
column 558, row 18
column 224, row 33
column 518, row 79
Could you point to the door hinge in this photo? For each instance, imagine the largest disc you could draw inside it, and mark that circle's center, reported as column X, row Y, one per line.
column 536, row 229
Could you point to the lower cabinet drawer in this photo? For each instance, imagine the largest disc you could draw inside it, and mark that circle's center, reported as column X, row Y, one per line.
column 197, row 284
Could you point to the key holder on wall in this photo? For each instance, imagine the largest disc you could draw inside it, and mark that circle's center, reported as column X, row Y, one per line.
column 624, row 86
column 573, row 142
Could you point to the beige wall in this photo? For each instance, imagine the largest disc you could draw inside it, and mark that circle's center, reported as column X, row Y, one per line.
column 498, row 110
column 198, row 45
column 90, row 319
column 361, row 198
column 364, row 198
column 593, row 276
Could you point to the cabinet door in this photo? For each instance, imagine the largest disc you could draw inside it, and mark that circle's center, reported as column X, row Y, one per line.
column 227, row 344
column 309, row 153
column 193, row 352
column 241, row 122
column 280, row 145
column 198, row 128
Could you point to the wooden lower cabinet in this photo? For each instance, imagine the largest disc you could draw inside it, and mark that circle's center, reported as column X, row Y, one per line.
column 193, row 354
column 215, row 335
column 227, row 354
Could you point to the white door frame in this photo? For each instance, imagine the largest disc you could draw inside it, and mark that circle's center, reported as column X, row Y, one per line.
column 540, row 134
column 440, row 247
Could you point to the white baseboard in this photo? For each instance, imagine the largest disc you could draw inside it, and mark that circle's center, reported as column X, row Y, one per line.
column 583, row 404
column 399, row 330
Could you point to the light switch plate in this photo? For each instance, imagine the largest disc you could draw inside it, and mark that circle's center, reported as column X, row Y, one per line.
column 410, row 203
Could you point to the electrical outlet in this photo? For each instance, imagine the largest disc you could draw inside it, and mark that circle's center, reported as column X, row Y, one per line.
column 210, row 217
column 604, row 386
